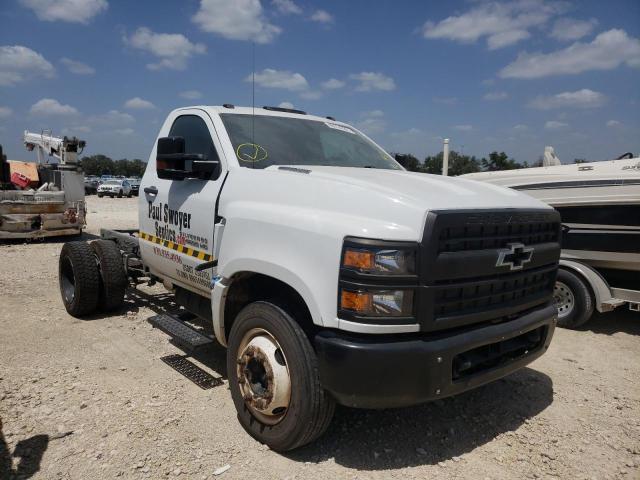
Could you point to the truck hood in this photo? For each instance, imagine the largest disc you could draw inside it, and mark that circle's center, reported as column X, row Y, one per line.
column 432, row 192
column 376, row 203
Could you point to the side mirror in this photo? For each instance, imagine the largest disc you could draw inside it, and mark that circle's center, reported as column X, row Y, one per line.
column 172, row 163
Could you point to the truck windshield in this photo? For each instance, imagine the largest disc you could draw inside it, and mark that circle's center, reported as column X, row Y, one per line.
column 260, row 141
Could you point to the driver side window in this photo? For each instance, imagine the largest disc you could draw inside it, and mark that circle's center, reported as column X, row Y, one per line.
column 197, row 138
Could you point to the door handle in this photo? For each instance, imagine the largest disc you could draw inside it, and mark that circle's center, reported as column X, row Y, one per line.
column 151, row 190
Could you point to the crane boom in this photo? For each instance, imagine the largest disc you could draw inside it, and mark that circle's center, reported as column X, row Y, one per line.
column 64, row 149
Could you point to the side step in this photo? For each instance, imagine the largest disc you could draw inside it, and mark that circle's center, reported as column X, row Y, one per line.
column 180, row 332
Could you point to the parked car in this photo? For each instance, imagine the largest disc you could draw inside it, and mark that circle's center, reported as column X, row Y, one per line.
column 91, row 185
column 135, row 185
column 115, row 188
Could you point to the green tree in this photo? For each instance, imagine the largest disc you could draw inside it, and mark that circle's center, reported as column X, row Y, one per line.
column 408, row 161
column 103, row 165
column 500, row 161
column 458, row 164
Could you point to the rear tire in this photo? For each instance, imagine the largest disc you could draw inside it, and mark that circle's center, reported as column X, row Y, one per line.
column 79, row 278
column 113, row 279
column 574, row 300
column 309, row 408
column 100, row 195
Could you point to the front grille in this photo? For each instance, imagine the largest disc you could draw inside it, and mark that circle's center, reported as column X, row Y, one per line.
column 461, row 282
column 485, row 293
column 497, row 235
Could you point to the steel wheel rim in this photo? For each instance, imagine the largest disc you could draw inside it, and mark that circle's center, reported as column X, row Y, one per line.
column 263, row 376
column 564, row 298
column 68, row 281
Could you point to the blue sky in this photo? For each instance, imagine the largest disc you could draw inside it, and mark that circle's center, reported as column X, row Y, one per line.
column 512, row 76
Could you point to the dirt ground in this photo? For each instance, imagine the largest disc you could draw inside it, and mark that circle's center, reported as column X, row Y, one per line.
column 84, row 399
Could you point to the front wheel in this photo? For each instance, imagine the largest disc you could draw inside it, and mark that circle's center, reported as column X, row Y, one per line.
column 274, row 381
column 573, row 298
column 120, row 194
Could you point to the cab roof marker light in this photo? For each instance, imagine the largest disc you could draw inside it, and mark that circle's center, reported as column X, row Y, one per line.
column 285, row 110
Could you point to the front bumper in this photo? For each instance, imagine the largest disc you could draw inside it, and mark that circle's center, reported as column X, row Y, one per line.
column 378, row 372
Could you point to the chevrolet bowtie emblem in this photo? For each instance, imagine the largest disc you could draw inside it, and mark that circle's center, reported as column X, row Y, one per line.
column 514, row 256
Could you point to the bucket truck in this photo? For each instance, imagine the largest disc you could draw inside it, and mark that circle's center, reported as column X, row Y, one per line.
column 46, row 198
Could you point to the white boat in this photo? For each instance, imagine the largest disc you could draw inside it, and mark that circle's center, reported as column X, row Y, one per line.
column 599, row 203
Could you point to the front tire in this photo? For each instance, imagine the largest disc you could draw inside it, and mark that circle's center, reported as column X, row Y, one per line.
column 120, row 194
column 274, row 380
column 113, row 279
column 573, row 298
column 79, row 278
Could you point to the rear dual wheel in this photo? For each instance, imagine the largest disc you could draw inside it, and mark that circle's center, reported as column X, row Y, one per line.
column 274, row 381
column 91, row 276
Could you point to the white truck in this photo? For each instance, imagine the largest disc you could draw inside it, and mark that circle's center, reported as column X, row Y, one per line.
column 329, row 272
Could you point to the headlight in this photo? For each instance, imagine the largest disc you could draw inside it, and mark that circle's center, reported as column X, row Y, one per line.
column 379, row 260
column 377, row 303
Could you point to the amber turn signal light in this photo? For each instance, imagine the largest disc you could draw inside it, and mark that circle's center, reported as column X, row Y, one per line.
column 359, row 259
column 355, row 301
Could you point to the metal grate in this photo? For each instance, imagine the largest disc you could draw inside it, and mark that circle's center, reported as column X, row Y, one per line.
column 481, row 294
column 498, row 235
column 191, row 371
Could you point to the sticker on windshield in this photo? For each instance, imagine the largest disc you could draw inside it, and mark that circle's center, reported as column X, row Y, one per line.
column 251, row 152
column 335, row 126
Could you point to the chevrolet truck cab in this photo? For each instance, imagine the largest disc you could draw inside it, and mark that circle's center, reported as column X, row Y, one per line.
column 330, row 273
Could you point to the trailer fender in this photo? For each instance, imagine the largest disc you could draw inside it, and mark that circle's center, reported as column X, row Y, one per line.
column 599, row 286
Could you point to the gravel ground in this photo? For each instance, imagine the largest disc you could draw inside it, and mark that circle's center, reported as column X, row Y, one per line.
column 90, row 398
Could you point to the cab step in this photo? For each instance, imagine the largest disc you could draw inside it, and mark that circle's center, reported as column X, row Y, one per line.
column 179, row 331
column 189, row 370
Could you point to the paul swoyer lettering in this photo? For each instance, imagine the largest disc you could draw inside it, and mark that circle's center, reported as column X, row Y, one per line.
column 169, row 223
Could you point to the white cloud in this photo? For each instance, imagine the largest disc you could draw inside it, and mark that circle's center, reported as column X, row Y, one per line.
column 463, row 128
column 520, row 128
column 607, row 51
column 19, row 63
column 51, row 107
column 584, row 98
column 113, row 118
column 74, row 11
column 124, row 131
column 614, row 124
column 5, row 112
column 369, row 81
column 555, row 125
column 285, row 105
column 504, row 39
column 494, row 96
column 271, row 78
column 311, row 95
column 502, row 23
column 235, row 20
column 332, row 84
column 191, row 94
column 172, row 49
column 371, row 122
column 76, row 67
column 287, row 7
column 572, row 28
column 75, row 130
column 137, row 103
column 445, row 100
column 321, row 16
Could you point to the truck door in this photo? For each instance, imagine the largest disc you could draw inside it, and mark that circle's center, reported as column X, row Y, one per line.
column 177, row 217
